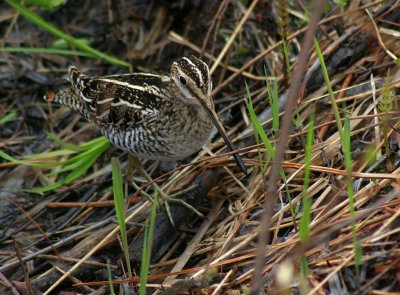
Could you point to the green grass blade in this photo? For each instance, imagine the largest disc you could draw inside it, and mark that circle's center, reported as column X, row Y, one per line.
column 48, row 155
column 305, row 219
column 145, row 265
column 303, row 266
column 64, row 144
column 109, row 275
column 329, row 87
column 10, row 116
column 40, row 22
column 306, row 216
column 94, row 142
column 42, row 50
column 88, row 152
column 350, row 192
column 147, row 245
column 119, row 201
column 79, row 164
column 69, row 178
column 85, row 150
column 273, row 101
column 287, row 61
column 46, row 4
column 69, row 165
column 81, row 169
column 259, row 131
column 28, row 162
column 257, row 126
column 275, row 107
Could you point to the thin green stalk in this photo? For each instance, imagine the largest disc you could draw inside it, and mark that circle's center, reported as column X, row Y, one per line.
column 329, row 86
column 109, row 275
column 273, row 98
column 345, row 139
column 8, row 117
column 350, row 193
column 147, row 245
column 86, row 155
column 287, row 61
column 81, row 168
column 305, row 220
column 119, row 201
column 259, row 131
column 42, row 50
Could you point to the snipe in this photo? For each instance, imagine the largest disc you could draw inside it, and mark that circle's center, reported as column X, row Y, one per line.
column 159, row 117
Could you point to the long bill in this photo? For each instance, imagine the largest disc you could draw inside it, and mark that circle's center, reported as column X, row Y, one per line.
column 224, row 135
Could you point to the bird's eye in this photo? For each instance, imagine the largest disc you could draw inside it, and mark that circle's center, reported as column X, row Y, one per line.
column 182, row 80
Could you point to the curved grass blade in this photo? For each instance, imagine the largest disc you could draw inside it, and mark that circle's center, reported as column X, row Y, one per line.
column 46, row 51
column 119, row 201
column 33, row 162
column 66, row 145
column 39, row 21
column 83, row 166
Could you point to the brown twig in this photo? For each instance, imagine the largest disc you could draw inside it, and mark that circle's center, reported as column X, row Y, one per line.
column 272, row 193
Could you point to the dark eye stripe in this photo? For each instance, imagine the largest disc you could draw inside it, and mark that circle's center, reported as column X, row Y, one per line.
column 190, row 69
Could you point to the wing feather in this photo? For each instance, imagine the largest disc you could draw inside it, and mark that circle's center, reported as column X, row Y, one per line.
column 120, row 100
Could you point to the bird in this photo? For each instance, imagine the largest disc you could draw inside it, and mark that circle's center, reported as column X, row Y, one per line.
column 165, row 117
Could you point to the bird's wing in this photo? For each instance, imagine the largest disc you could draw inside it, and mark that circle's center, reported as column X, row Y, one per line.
column 120, row 100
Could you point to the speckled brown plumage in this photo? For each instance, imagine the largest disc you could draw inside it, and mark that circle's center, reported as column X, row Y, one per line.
column 160, row 117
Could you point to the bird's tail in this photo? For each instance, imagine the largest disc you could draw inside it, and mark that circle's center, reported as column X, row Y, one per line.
column 67, row 97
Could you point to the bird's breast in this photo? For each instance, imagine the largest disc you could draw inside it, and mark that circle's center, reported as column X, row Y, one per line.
column 174, row 134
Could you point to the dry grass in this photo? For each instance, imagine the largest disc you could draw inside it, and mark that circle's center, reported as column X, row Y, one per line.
column 44, row 237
